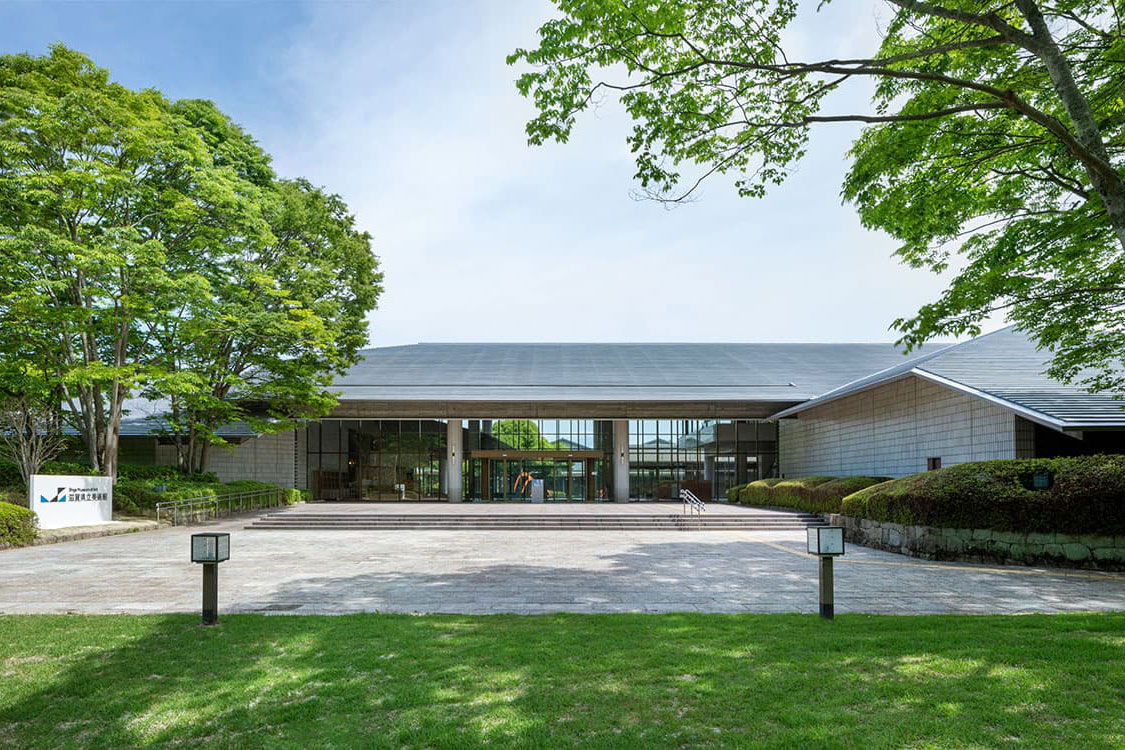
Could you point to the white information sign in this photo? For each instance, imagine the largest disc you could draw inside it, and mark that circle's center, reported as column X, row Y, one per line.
column 71, row 501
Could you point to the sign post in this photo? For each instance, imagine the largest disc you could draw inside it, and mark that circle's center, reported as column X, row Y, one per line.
column 826, row 542
column 62, row 501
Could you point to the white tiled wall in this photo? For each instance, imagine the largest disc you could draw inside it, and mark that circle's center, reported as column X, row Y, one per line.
column 891, row 430
column 278, row 458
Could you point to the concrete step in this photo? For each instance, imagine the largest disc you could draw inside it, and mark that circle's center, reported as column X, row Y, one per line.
column 434, row 527
column 293, row 514
column 522, row 522
column 412, row 524
column 518, row 519
column 556, row 522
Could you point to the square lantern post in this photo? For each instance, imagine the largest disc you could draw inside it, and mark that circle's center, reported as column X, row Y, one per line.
column 826, row 542
column 210, row 549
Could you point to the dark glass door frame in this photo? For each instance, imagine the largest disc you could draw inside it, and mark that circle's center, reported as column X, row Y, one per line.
column 489, row 463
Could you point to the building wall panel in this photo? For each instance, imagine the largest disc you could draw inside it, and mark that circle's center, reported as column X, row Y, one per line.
column 891, row 430
column 278, row 458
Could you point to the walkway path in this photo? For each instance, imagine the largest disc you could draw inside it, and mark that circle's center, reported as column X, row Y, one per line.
column 525, row 572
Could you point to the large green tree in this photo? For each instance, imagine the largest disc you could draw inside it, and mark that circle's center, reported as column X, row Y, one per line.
column 286, row 308
column 995, row 133
column 148, row 248
column 86, row 167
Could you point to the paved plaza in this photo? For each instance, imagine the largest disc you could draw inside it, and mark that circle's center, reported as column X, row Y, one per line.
column 524, row 571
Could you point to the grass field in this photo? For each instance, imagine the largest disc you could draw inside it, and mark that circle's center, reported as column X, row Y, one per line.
column 785, row 681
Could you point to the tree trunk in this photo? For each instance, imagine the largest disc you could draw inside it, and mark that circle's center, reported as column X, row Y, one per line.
column 91, row 436
column 192, row 447
column 1107, row 182
column 113, row 433
column 203, row 451
column 177, row 438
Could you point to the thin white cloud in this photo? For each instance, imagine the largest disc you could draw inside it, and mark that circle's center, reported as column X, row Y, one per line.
column 411, row 113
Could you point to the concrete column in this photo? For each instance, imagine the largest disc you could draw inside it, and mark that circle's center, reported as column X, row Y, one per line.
column 621, row 460
column 454, row 455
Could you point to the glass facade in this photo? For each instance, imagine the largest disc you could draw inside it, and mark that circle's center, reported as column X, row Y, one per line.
column 538, row 460
column 705, row 456
column 377, row 459
column 547, row 460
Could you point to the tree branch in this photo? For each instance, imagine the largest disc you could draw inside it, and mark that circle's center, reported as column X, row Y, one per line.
column 988, row 20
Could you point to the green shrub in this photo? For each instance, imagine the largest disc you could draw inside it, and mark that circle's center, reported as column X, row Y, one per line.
column 1086, row 495
column 811, row 494
column 10, row 475
column 289, row 495
column 738, row 494
column 134, row 496
column 136, row 487
column 167, row 473
column 17, row 525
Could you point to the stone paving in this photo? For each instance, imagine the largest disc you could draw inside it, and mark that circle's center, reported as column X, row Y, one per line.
column 526, row 572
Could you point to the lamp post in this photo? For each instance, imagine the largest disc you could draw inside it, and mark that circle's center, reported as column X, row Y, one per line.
column 826, row 542
column 210, row 549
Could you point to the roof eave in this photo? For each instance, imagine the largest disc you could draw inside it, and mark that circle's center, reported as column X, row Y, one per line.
column 844, row 392
column 1031, row 415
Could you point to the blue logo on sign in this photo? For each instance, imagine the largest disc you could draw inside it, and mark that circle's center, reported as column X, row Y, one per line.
column 60, row 497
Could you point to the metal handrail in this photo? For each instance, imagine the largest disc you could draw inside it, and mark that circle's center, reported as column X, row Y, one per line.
column 689, row 499
column 199, row 508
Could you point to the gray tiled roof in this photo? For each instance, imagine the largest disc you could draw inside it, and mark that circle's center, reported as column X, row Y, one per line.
column 1005, row 367
column 144, row 418
column 609, row 372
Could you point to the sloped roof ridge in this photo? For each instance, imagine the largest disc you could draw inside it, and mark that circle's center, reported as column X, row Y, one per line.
column 879, row 376
column 626, row 343
column 959, row 345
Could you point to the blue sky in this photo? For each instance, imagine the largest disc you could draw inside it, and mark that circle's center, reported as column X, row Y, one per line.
column 408, row 110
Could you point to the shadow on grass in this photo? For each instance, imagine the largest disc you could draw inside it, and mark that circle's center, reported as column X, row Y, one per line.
column 560, row 680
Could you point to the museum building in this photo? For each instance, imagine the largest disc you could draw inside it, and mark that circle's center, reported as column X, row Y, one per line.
column 619, row 422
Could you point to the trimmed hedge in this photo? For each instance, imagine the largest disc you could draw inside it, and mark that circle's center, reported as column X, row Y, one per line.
column 17, row 525
column 171, row 473
column 10, row 475
column 812, row 494
column 133, row 496
column 1086, row 495
column 289, row 495
column 136, row 487
column 14, row 495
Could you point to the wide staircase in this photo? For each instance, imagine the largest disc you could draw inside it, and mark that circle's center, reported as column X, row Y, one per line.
column 546, row 521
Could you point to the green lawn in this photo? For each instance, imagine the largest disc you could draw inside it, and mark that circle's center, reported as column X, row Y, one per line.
column 784, row 681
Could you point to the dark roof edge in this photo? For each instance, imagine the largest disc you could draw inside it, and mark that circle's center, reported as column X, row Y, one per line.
column 877, row 378
column 634, row 343
column 1027, row 413
column 848, row 389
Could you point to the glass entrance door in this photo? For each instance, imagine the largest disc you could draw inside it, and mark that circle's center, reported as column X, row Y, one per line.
column 535, row 476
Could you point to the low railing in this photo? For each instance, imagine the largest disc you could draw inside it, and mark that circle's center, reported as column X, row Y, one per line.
column 692, row 503
column 195, row 509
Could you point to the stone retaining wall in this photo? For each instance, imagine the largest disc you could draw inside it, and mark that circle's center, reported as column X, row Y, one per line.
column 984, row 545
